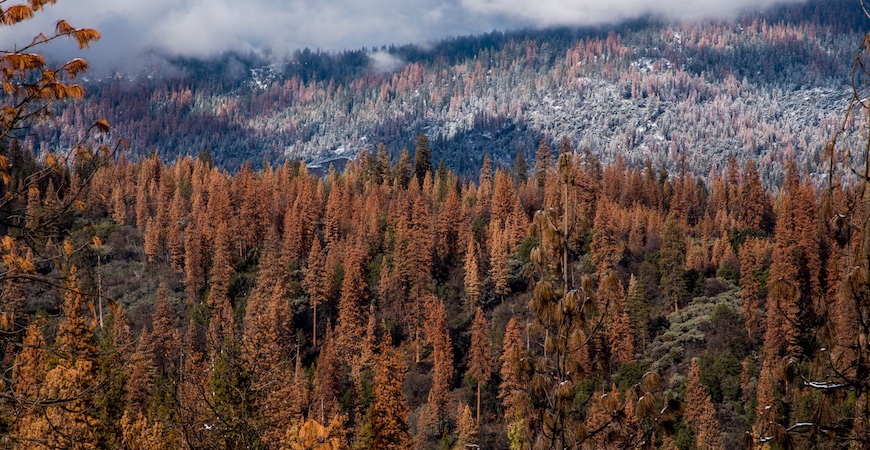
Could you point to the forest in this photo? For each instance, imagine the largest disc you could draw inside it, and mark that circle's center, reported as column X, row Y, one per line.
column 559, row 304
column 556, row 300
column 768, row 85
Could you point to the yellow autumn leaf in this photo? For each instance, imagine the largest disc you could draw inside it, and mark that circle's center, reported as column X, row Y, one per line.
column 27, row 266
column 6, row 320
column 102, row 125
column 67, row 247
column 98, row 243
column 8, row 242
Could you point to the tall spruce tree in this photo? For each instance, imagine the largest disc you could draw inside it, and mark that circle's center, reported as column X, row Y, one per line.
column 479, row 358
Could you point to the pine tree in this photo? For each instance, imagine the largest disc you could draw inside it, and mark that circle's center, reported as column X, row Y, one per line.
column 621, row 332
column 142, row 208
column 673, row 262
column 751, row 256
column 466, row 429
column 316, row 282
column 503, row 197
column 266, row 320
column 163, row 334
column 119, row 206
column 31, row 368
column 753, row 205
column 699, row 412
column 484, row 187
column 332, row 221
column 449, row 221
column 442, row 353
column 194, row 255
column 383, row 163
column 174, row 238
column 233, row 401
column 422, row 158
column 350, row 327
column 222, row 319
column 472, row 276
column 638, row 311
column 604, row 409
column 513, row 359
column 142, row 375
column 70, row 386
column 324, row 401
column 563, row 317
column 499, row 271
column 521, row 168
column 402, row 170
column 605, row 247
column 543, row 163
column 386, row 423
column 140, row 433
column 152, row 240
column 479, row 359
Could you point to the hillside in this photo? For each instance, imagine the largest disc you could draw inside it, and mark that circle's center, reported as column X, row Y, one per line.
column 769, row 85
column 658, row 268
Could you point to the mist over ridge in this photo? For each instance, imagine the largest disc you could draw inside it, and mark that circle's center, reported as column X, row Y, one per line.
column 137, row 33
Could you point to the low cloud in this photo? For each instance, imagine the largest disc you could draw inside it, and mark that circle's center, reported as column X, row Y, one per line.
column 199, row 28
column 385, row 62
column 595, row 12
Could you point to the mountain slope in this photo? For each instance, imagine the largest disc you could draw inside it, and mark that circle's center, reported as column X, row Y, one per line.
column 768, row 86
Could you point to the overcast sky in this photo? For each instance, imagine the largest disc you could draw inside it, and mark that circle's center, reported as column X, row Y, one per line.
column 132, row 28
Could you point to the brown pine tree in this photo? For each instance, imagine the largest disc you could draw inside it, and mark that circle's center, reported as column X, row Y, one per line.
column 621, row 335
column 142, row 375
column 479, row 358
column 386, row 422
column 174, row 237
column 449, row 221
column 512, row 390
column 29, row 374
column 70, row 386
column 472, row 276
column 152, row 240
column 503, row 197
column 466, row 429
column 327, row 383
column 605, row 248
column 163, row 334
column 222, row 320
column 140, row 433
column 350, row 327
column 700, row 413
column 753, row 206
column 265, row 319
column 119, row 206
column 499, row 271
column 143, row 214
column 442, row 353
column 316, row 282
column 194, row 256
column 605, row 408
column 332, row 221
column 219, row 208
